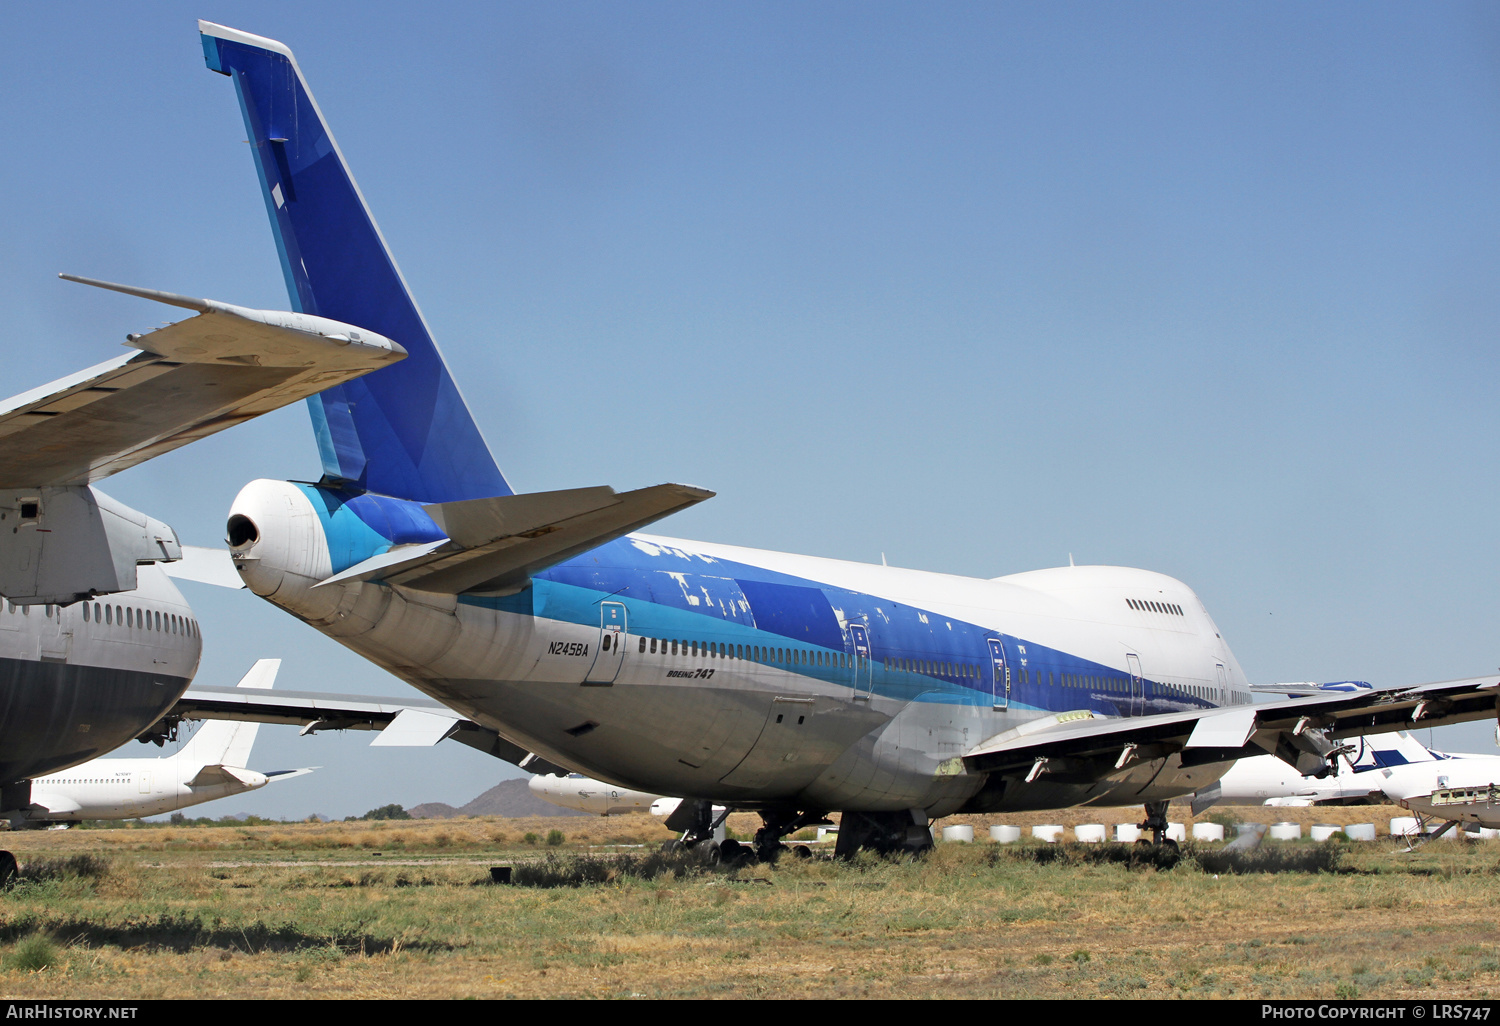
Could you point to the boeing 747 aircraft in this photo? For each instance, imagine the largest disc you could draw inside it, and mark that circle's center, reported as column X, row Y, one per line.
column 792, row 685
column 212, row 764
column 96, row 643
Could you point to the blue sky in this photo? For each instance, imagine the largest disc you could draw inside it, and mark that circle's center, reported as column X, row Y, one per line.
column 1210, row 290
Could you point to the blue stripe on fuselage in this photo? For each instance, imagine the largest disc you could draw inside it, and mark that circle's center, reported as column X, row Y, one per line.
column 676, row 595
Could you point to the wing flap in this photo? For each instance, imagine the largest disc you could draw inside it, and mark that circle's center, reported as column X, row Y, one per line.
column 1300, row 731
column 318, row 711
column 417, row 728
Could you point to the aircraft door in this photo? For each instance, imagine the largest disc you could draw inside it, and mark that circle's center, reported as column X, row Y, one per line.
column 56, row 640
column 1223, row 679
column 863, row 671
column 611, row 651
column 1137, row 685
column 999, row 675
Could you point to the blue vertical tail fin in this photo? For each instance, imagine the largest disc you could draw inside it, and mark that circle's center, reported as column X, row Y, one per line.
column 406, row 434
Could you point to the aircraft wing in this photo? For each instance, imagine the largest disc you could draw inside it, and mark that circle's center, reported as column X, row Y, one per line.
column 190, row 379
column 416, row 722
column 494, row 545
column 1303, row 732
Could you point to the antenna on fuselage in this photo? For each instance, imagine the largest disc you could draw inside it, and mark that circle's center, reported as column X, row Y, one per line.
column 1070, row 559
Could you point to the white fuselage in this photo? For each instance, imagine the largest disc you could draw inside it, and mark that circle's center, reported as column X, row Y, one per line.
column 576, row 791
column 80, row 680
column 1463, row 788
column 132, row 788
column 683, row 689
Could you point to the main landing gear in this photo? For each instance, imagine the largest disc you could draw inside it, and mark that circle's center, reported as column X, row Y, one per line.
column 776, row 824
column 886, row 833
column 701, row 825
column 1156, row 822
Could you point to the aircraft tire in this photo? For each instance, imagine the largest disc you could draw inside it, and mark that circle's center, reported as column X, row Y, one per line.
column 9, row 870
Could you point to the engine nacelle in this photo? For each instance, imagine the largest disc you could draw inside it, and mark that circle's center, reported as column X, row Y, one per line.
column 278, row 546
column 66, row 544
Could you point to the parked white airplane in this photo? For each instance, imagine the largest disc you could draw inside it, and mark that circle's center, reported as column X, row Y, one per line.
column 791, row 685
column 1452, row 788
column 1357, row 780
column 212, row 764
column 576, row 791
column 1448, row 786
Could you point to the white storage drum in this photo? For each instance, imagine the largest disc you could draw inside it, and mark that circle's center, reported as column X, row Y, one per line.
column 1286, row 831
column 1208, row 831
column 1003, row 834
column 1176, row 832
column 1403, row 826
column 1127, row 834
column 1089, row 833
column 961, row 833
column 1049, row 832
column 1360, row 831
column 1322, row 831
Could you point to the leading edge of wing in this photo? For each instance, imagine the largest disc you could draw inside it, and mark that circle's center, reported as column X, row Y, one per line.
column 191, row 379
column 317, row 711
column 1239, row 731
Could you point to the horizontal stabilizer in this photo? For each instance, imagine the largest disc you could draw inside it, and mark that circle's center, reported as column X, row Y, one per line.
column 208, row 776
column 191, row 379
column 206, row 566
column 495, row 545
column 274, row 775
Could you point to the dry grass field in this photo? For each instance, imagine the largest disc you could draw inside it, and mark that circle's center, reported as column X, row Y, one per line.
column 404, row 909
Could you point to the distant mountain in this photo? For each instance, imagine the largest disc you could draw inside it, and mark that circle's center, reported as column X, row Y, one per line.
column 507, row 798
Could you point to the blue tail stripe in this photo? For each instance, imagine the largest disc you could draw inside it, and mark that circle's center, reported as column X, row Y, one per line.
column 403, row 431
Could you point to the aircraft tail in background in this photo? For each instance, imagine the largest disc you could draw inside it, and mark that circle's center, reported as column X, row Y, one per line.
column 409, row 434
column 228, row 742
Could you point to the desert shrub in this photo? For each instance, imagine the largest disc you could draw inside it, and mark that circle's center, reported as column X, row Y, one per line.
column 1268, row 858
column 1134, row 856
column 555, row 838
column 84, row 867
column 580, row 870
column 33, row 954
column 1275, row 858
column 391, row 811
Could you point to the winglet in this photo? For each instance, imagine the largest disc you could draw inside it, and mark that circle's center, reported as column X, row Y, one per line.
column 170, row 298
